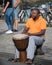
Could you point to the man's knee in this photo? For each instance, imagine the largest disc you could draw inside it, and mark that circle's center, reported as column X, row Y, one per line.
column 39, row 50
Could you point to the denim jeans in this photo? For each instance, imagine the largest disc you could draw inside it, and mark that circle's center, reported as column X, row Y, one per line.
column 8, row 18
column 16, row 12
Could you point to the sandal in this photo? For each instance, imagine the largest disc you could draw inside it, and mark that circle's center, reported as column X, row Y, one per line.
column 14, row 60
column 29, row 61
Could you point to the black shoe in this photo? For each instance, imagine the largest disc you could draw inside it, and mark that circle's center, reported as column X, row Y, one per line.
column 10, row 59
column 40, row 52
column 15, row 30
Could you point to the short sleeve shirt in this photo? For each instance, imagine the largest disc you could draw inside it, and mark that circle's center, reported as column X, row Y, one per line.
column 36, row 26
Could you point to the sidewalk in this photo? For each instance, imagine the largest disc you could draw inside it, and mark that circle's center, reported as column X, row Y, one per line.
column 7, row 47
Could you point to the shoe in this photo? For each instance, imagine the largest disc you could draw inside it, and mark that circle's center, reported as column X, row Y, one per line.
column 9, row 32
column 40, row 52
column 15, row 30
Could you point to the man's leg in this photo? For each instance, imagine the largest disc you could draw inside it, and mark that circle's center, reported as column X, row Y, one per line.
column 33, row 40
column 15, row 25
column 10, row 18
column 39, row 43
column 31, row 48
column 6, row 17
column 16, row 57
column 16, row 54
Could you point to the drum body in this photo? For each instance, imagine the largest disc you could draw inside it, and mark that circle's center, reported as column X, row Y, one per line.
column 21, row 43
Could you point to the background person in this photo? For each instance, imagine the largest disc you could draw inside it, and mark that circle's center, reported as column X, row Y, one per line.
column 7, row 10
column 16, row 10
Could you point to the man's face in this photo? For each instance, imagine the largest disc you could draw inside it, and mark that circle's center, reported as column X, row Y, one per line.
column 34, row 14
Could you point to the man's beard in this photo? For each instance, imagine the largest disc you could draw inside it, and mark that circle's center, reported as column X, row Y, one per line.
column 34, row 18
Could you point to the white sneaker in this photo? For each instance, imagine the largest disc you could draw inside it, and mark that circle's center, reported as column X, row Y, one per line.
column 9, row 32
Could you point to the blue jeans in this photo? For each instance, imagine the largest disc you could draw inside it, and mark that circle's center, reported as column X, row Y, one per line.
column 8, row 18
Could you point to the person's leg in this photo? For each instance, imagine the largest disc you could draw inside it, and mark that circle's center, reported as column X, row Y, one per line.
column 15, row 15
column 10, row 22
column 39, row 44
column 33, row 41
column 8, row 19
column 15, row 25
column 39, row 40
column 16, row 54
column 11, row 18
column 16, row 58
column 31, row 48
column 10, row 15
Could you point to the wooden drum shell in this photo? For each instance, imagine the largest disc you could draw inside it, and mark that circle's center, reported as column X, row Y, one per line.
column 21, row 44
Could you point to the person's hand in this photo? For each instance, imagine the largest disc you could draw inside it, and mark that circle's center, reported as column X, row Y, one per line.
column 14, row 6
column 30, row 34
column 3, row 10
column 22, row 32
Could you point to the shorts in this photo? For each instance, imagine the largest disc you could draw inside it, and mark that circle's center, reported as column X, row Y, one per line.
column 16, row 12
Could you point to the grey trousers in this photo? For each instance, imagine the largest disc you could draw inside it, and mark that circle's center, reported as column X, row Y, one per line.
column 33, row 42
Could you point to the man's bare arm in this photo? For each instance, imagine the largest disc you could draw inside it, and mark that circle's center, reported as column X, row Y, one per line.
column 42, row 32
column 25, row 31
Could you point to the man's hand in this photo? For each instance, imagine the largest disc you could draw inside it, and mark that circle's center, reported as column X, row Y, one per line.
column 25, row 31
column 3, row 10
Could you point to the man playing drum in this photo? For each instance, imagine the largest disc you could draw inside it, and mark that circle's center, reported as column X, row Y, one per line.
column 35, row 28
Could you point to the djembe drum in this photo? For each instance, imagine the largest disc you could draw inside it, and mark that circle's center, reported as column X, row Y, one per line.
column 21, row 43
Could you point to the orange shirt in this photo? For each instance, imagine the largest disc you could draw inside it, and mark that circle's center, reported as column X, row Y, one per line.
column 36, row 26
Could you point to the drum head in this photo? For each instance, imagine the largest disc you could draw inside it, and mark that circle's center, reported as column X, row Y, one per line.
column 20, row 41
column 20, row 36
